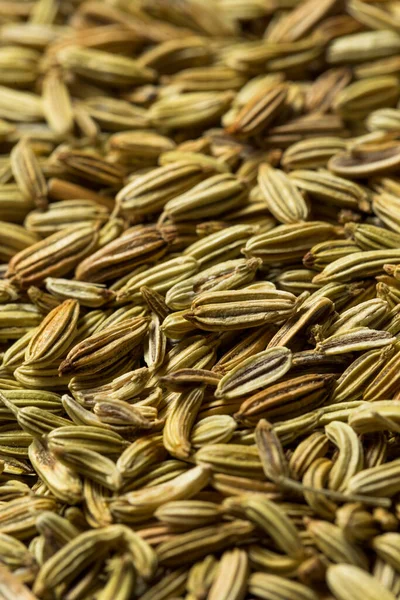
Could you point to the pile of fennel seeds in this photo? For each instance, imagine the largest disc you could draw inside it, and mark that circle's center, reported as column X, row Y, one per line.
column 200, row 281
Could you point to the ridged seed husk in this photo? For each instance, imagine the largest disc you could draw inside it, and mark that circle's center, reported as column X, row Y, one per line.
column 54, row 256
column 63, row 482
column 285, row 400
column 285, row 244
column 349, row 581
column 228, row 275
column 283, row 199
column 214, row 196
column 137, row 246
column 225, row 311
column 65, row 213
column 255, row 372
column 269, row 586
column 203, row 541
column 148, row 194
column 54, row 335
column 105, row 347
column 259, row 112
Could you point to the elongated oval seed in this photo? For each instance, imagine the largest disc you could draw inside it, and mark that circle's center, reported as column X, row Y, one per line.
column 357, row 266
column 255, row 372
column 184, row 486
column 69, row 562
column 382, row 480
column 281, row 195
column 349, row 582
column 265, row 585
column 357, row 339
column 231, row 577
column 351, row 457
column 62, row 481
column 54, row 335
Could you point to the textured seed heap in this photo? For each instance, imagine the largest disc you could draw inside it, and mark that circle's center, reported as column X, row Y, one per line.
column 199, row 299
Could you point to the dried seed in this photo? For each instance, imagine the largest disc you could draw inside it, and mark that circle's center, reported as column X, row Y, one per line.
column 255, row 372
column 350, row 582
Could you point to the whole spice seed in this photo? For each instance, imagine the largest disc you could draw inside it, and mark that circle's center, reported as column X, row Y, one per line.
column 199, row 231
